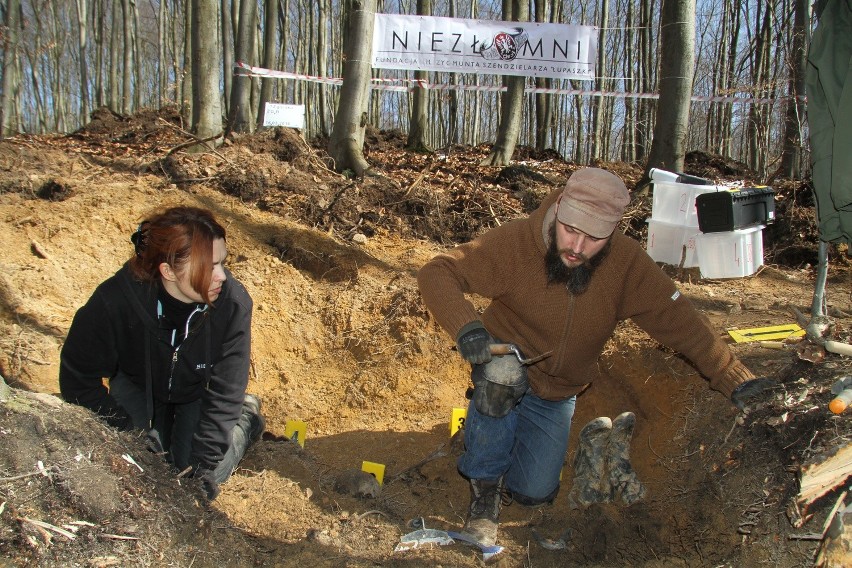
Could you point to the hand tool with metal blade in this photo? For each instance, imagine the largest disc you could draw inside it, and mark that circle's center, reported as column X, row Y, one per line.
column 511, row 348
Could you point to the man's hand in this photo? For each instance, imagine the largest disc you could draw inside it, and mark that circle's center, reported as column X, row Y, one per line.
column 473, row 342
column 751, row 391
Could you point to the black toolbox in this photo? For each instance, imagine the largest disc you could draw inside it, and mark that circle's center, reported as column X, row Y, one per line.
column 728, row 210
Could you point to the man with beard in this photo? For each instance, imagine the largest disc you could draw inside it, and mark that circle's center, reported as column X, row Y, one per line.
column 559, row 281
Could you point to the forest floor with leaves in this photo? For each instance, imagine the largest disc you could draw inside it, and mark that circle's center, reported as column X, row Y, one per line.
column 342, row 342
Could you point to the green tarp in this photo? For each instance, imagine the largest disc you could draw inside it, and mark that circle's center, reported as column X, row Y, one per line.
column 829, row 90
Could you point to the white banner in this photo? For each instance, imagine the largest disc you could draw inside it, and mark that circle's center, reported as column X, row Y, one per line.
column 276, row 114
column 425, row 43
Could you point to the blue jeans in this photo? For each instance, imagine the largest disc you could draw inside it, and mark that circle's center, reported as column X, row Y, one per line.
column 527, row 446
column 174, row 426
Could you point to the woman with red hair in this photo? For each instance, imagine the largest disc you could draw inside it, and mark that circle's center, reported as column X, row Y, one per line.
column 171, row 332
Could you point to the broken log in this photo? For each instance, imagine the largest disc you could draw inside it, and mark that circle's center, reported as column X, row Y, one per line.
column 825, row 473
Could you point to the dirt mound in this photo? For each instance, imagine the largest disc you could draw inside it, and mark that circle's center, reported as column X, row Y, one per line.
column 717, row 168
column 99, row 498
column 342, row 342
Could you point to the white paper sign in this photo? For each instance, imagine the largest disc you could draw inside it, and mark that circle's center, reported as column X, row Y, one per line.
column 532, row 49
column 275, row 114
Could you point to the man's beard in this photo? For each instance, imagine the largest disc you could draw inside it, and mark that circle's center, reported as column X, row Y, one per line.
column 575, row 279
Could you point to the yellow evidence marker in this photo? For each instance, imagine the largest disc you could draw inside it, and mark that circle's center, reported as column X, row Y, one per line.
column 295, row 429
column 457, row 420
column 376, row 469
column 766, row 333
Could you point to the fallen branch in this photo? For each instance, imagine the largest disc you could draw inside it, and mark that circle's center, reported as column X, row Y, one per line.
column 48, row 526
column 22, row 476
column 195, row 140
column 419, row 179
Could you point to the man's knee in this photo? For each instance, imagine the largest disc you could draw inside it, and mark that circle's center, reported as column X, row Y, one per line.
column 528, row 501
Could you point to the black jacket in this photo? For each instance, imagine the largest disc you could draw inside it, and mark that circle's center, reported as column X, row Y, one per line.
column 117, row 331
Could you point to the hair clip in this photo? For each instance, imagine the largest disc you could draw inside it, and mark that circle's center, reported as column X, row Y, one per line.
column 139, row 238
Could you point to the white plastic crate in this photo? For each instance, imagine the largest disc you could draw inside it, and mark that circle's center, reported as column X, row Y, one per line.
column 730, row 254
column 666, row 241
column 674, row 202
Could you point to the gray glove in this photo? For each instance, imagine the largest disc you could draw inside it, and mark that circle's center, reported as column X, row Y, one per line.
column 473, row 341
column 750, row 390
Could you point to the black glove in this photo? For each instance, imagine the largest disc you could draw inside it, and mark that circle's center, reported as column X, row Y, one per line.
column 748, row 391
column 208, row 483
column 473, row 341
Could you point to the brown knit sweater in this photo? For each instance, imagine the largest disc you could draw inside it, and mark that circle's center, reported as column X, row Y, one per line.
column 506, row 265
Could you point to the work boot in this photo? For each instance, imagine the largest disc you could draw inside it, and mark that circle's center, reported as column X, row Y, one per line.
column 622, row 479
column 484, row 511
column 251, row 403
column 591, row 482
column 251, row 415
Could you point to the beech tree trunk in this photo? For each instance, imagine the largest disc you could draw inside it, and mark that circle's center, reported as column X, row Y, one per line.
column 419, row 125
column 206, row 105
column 677, row 65
column 11, row 53
column 512, row 102
column 239, row 117
column 270, row 36
column 346, row 145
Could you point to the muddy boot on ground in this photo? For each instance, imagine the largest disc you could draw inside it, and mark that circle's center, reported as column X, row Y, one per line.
column 484, row 511
column 591, row 482
column 623, row 482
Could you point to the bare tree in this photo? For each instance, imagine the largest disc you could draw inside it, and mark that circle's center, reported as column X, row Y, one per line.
column 677, row 42
column 644, row 68
column 628, row 141
column 186, row 89
column 11, row 53
column 239, row 116
column 322, row 66
column 270, row 35
column 227, row 52
column 84, row 70
column 512, row 103
column 759, row 54
column 347, row 136
column 791, row 156
column 600, row 72
column 716, row 112
column 418, row 124
column 37, row 80
column 162, row 67
column 206, row 105
column 98, row 33
column 58, row 75
column 127, row 53
column 543, row 102
column 137, row 56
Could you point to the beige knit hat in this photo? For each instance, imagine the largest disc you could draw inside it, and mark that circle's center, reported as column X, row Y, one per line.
column 593, row 201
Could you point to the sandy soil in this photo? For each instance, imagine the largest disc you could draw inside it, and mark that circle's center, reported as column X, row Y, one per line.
column 342, row 342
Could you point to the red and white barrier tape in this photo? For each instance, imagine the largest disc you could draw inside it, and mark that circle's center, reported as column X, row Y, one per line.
column 405, row 85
